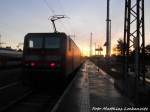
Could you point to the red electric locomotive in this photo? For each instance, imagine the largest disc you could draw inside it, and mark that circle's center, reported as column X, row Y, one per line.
column 49, row 56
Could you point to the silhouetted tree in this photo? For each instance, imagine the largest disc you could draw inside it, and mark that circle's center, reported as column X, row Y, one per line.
column 119, row 47
column 147, row 50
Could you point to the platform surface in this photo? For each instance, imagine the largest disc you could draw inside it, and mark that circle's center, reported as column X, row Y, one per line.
column 92, row 90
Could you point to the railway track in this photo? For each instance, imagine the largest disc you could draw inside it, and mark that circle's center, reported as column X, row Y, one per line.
column 13, row 102
column 15, row 97
column 9, row 85
column 34, row 101
column 11, row 93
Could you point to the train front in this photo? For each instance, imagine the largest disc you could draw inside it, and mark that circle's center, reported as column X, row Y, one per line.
column 43, row 57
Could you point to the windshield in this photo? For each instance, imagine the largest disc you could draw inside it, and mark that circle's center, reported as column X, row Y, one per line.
column 47, row 42
column 52, row 42
column 35, row 42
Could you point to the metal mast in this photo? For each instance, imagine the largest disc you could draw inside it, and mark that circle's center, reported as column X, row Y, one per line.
column 108, row 32
column 91, row 45
column 134, row 39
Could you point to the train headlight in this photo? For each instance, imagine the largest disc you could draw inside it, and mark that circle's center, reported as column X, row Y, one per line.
column 52, row 65
column 33, row 64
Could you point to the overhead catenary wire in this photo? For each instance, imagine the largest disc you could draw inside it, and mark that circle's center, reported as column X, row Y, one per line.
column 68, row 26
column 61, row 6
column 63, row 11
column 49, row 7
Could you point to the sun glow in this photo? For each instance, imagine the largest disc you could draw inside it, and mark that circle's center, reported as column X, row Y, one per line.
column 86, row 51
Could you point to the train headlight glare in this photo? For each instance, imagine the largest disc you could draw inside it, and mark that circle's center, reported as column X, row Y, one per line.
column 33, row 64
column 52, row 65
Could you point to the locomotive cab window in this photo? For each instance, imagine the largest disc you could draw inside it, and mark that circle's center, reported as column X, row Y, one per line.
column 30, row 43
column 46, row 42
column 35, row 43
column 52, row 42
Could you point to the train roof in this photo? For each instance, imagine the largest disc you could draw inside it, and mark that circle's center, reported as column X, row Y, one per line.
column 48, row 34
column 61, row 34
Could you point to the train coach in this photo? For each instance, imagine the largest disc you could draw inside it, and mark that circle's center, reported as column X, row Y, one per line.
column 9, row 58
column 49, row 56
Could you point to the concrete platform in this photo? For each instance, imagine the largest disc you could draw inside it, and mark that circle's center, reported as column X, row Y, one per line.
column 92, row 90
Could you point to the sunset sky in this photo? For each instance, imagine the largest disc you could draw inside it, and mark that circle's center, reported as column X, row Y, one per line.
column 18, row 17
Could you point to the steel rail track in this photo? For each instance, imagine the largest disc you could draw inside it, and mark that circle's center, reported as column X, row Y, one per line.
column 11, row 103
column 34, row 101
column 10, row 85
